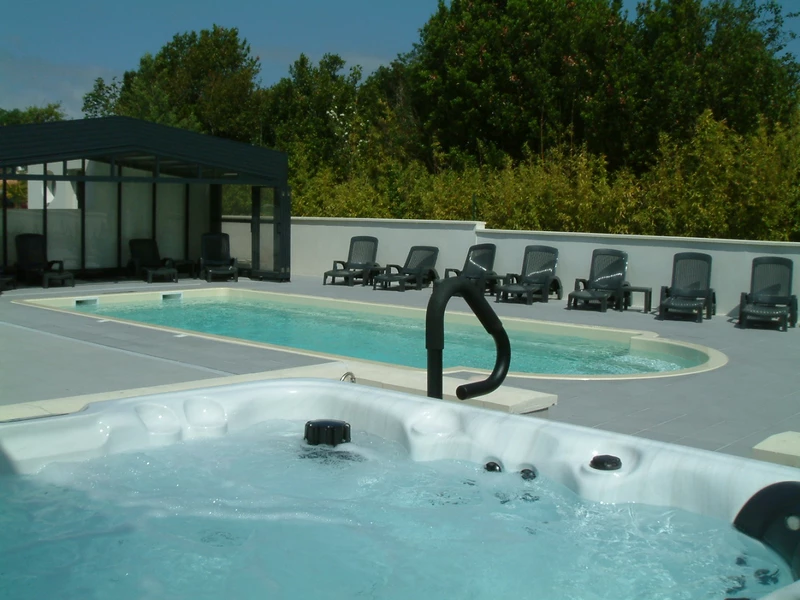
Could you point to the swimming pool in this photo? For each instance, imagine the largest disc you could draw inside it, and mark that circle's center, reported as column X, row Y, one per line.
column 395, row 335
column 211, row 492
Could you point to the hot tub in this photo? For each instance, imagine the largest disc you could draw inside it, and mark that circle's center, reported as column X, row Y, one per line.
column 496, row 503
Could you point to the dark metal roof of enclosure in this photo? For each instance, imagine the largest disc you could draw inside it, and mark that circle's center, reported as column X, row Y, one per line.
column 163, row 151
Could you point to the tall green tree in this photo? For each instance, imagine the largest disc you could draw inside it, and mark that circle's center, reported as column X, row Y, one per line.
column 102, row 100
column 720, row 55
column 314, row 114
column 205, row 81
column 491, row 78
column 508, row 75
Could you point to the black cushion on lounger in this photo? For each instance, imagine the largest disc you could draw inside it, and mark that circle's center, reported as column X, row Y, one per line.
column 536, row 278
column 418, row 270
column 32, row 261
column 605, row 283
column 690, row 291
column 478, row 267
column 770, row 298
column 146, row 261
column 360, row 264
column 215, row 257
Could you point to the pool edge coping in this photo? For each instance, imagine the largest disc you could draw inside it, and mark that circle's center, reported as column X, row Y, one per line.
column 637, row 337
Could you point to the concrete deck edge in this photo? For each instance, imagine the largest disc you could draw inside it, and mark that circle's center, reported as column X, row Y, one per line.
column 414, row 381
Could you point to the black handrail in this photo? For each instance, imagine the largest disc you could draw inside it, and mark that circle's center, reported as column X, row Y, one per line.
column 443, row 290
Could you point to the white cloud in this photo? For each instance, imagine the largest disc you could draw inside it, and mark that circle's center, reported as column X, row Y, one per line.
column 29, row 81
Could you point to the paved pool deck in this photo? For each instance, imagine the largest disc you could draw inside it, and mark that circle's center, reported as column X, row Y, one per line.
column 47, row 356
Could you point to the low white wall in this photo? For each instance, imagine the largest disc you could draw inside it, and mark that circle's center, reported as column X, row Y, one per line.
column 316, row 242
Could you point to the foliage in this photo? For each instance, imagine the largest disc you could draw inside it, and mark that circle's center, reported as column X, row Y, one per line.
column 719, row 184
column 681, row 119
column 491, row 75
column 315, row 112
column 498, row 77
column 102, row 100
column 17, row 194
column 33, row 114
column 206, row 82
column 17, row 191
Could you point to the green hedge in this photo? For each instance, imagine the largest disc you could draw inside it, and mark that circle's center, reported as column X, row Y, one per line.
column 719, row 184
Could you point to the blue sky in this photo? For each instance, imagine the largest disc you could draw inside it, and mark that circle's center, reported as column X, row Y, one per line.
column 52, row 50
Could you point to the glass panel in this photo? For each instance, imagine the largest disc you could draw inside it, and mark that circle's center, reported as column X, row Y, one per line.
column 241, row 241
column 64, row 236
column 169, row 220
column 267, row 203
column 101, row 219
column 22, row 216
column 236, row 201
column 199, row 207
column 267, row 225
column 63, row 217
column 16, row 198
column 137, row 211
column 267, row 255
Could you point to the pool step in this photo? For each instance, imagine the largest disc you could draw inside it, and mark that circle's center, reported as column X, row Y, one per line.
column 781, row 448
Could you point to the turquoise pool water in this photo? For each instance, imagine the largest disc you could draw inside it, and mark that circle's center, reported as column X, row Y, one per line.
column 259, row 514
column 388, row 338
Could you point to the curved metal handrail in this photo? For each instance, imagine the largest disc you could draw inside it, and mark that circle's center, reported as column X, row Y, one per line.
column 443, row 290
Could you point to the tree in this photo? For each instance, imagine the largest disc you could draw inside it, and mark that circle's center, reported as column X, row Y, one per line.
column 511, row 74
column 102, row 100
column 722, row 55
column 206, row 82
column 314, row 114
column 491, row 78
column 745, row 52
column 33, row 114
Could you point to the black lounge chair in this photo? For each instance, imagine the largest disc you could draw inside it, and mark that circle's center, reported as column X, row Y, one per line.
column 215, row 257
column 32, row 261
column 147, row 262
column 770, row 298
column 690, row 291
column 537, row 277
column 6, row 281
column 605, row 284
column 360, row 263
column 419, row 270
column 478, row 267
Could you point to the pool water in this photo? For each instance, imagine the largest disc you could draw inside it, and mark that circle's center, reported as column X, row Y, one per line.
column 389, row 338
column 259, row 514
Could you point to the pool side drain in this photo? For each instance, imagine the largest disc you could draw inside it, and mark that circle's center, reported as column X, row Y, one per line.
column 327, row 431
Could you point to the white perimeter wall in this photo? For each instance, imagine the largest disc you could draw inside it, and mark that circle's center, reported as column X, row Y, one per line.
column 316, row 242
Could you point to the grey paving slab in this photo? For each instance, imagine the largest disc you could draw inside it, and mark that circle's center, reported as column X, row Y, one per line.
column 40, row 366
column 688, row 424
column 664, row 437
column 622, row 425
column 755, row 395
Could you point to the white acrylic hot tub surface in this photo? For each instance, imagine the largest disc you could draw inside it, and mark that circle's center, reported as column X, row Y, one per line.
column 652, row 472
